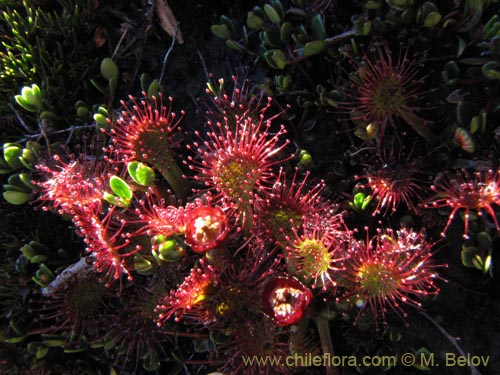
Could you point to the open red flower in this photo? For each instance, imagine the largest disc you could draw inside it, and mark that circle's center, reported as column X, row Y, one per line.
column 206, row 228
column 285, row 300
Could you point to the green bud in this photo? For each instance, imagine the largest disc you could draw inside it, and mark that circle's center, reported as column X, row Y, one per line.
column 109, row 69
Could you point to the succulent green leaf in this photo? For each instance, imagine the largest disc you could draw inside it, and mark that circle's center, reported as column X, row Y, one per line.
column 275, row 58
column 254, row 21
column 28, row 251
column 53, row 343
column 120, row 188
column 101, row 121
column 109, row 69
column 468, row 254
column 285, row 31
column 141, row 173
column 23, row 103
column 154, row 89
column 473, row 10
column 16, row 197
column 38, row 258
column 491, row 70
column 314, row 47
column 272, row 14
column 145, row 175
column 432, row 19
column 234, row 45
column 112, row 199
column 142, row 265
column 225, row 20
column 41, row 352
column 318, row 27
column 366, row 202
column 358, row 199
column 145, row 80
column 465, row 112
column 32, row 96
column 15, row 340
column 221, row 31
column 487, row 29
column 11, row 154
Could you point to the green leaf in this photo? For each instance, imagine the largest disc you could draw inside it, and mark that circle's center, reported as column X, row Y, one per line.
column 15, row 340
column 358, row 200
column 491, row 70
column 23, row 103
column 16, row 197
column 32, row 96
column 314, row 47
column 473, row 10
column 366, row 202
column 101, row 121
column 141, row 173
column 285, row 31
column 154, row 89
column 145, row 175
column 109, row 69
column 120, row 188
column 272, row 14
column 254, row 21
column 221, row 31
column 234, row 45
column 41, row 352
column 145, row 80
column 468, row 254
column 275, row 58
column 432, row 19
column 318, row 27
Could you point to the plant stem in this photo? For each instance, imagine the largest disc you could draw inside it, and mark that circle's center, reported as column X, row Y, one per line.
column 452, row 340
column 326, row 342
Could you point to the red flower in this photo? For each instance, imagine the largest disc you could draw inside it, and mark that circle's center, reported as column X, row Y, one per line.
column 206, row 228
column 391, row 269
column 478, row 192
column 285, row 300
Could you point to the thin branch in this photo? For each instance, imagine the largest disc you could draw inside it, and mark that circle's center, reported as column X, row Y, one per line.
column 71, row 130
column 452, row 340
column 169, row 51
column 203, row 65
column 19, row 118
